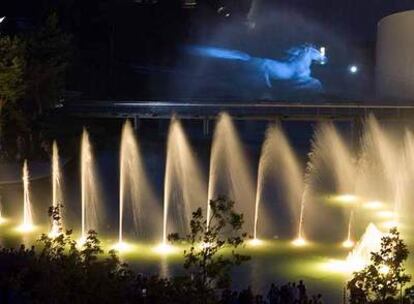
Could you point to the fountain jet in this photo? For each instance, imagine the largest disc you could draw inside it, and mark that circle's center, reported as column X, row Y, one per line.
column 277, row 159
column 89, row 191
column 370, row 242
column 229, row 170
column 134, row 187
column 27, row 224
column 184, row 187
column 56, row 190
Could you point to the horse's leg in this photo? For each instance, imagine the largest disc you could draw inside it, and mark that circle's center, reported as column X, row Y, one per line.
column 309, row 84
column 267, row 78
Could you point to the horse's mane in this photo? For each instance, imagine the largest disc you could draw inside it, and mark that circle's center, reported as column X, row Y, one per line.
column 297, row 51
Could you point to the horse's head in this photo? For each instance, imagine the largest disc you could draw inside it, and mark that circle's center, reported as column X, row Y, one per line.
column 317, row 54
column 307, row 51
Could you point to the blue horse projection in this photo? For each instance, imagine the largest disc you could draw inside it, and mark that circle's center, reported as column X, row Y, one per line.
column 294, row 69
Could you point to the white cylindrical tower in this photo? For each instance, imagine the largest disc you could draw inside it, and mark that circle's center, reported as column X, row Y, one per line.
column 395, row 57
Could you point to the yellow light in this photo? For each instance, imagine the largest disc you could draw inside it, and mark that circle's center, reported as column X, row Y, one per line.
column 385, row 214
column 344, row 266
column 299, row 242
column 346, row 199
column 373, row 205
column 390, row 224
column 2, row 220
column 164, row 248
column 255, row 242
column 384, row 269
column 53, row 234
column 80, row 242
column 26, row 228
column 122, row 247
column 348, row 243
column 205, row 245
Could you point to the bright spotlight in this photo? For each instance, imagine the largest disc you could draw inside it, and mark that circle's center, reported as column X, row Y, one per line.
column 255, row 242
column 384, row 269
column 205, row 245
column 322, row 50
column 53, row 234
column 2, row 19
column 164, row 248
column 81, row 241
column 346, row 198
column 299, row 242
column 373, row 205
column 391, row 224
column 2, row 220
column 348, row 243
column 353, row 69
column 122, row 247
column 26, row 228
column 385, row 214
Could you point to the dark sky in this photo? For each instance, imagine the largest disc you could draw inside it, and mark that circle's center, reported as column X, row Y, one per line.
column 356, row 18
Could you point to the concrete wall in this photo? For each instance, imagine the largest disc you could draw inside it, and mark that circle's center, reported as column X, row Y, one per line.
column 395, row 57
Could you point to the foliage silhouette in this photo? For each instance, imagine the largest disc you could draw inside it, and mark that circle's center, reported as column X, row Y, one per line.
column 384, row 279
column 205, row 262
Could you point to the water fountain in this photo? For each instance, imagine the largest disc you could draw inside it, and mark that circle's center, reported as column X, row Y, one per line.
column 135, row 193
column 184, row 187
column 229, row 173
column 331, row 170
column 27, row 224
column 89, row 189
column 57, row 225
column 360, row 256
column 384, row 169
column 277, row 159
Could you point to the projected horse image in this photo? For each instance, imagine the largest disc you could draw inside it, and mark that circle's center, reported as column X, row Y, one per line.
column 294, row 70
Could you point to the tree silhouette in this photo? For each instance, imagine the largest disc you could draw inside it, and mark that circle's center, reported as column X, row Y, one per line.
column 384, row 279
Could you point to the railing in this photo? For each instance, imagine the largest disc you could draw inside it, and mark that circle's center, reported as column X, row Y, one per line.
column 239, row 110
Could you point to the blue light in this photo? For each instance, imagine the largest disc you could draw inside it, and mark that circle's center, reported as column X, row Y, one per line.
column 353, row 69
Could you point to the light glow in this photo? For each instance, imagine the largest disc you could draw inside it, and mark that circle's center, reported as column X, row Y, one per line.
column 373, row 205
column 353, row 69
column 391, row 224
column 255, row 242
column 346, row 198
column 385, row 214
column 299, row 242
column 53, row 234
column 348, row 243
column 26, row 228
column 164, row 248
column 205, row 245
column 81, row 241
column 384, row 269
column 122, row 247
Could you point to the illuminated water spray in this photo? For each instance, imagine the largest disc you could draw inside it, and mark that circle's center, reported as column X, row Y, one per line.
column 348, row 242
column 278, row 160
column 27, row 224
column 300, row 240
column 370, row 242
column 229, row 170
column 56, row 190
column 184, row 187
column 89, row 191
column 134, row 189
